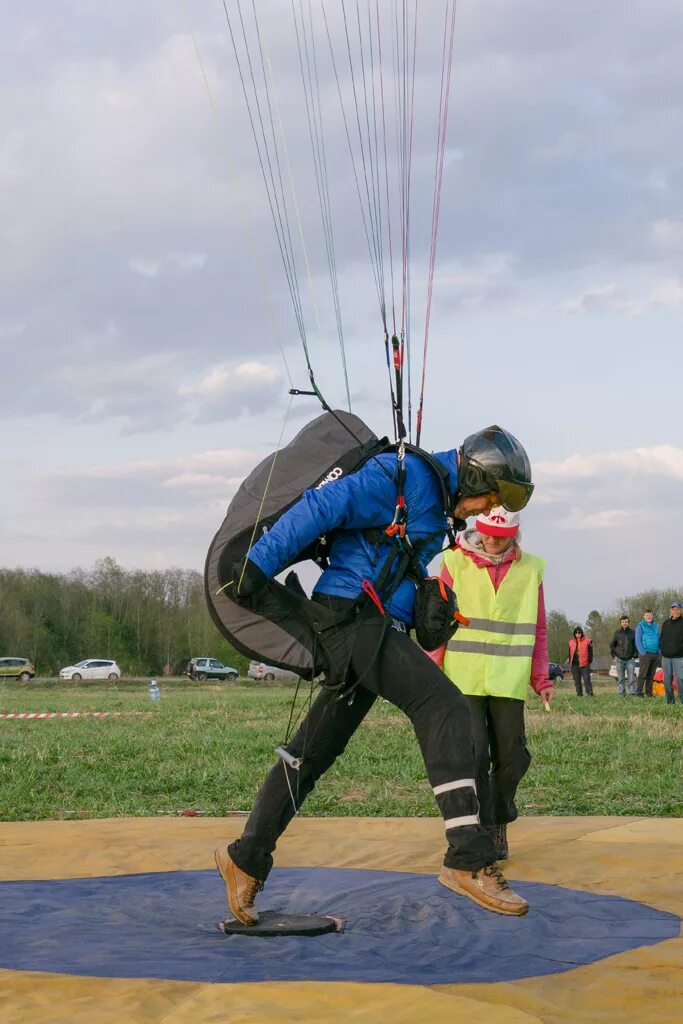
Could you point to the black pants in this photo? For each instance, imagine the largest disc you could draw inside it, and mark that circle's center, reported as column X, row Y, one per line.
column 402, row 673
column 649, row 663
column 501, row 758
column 582, row 674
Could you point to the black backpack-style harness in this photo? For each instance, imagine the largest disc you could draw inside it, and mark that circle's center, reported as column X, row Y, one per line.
column 281, row 625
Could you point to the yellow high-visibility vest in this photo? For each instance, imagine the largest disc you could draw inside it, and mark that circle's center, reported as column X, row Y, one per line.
column 492, row 656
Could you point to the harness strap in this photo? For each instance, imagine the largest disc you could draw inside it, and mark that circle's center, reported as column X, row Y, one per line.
column 373, row 595
column 397, row 348
column 401, row 513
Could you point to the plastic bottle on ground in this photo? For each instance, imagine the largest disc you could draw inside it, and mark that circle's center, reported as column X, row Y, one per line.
column 154, row 692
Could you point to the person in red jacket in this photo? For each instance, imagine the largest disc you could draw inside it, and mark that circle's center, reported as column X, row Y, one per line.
column 580, row 659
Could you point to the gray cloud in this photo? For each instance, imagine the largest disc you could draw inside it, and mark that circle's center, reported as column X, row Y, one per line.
column 230, row 391
column 120, row 232
column 164, row 483
column 149, row 512
column 605, row 523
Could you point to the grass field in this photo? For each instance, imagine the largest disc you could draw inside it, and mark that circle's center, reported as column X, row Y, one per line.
column 207, row 747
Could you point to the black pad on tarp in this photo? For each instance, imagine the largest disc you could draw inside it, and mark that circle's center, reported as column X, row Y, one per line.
column 271, row 923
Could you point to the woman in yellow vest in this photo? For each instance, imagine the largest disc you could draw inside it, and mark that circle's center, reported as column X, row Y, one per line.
column 494, row 659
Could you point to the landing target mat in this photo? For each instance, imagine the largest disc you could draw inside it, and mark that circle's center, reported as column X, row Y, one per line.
column 86, row 910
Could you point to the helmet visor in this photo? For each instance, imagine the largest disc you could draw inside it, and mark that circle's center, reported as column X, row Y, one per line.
column 514, row 494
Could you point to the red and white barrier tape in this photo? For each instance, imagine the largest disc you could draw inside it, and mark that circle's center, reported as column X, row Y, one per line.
column 65, row 714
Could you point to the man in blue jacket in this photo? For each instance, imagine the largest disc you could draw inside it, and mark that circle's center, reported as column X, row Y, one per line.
column 491, row 468
column 647, row 642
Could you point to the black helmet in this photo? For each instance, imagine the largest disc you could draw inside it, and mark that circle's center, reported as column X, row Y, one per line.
column 494, row 460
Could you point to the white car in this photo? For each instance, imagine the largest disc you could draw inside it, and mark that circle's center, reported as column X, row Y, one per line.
column 257, row 670
column 91, row 668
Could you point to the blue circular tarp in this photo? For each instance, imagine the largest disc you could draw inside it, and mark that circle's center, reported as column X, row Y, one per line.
column 400, row 927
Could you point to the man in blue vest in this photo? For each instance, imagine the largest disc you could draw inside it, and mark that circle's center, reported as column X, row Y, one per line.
column 647, row 642
column 490, row 468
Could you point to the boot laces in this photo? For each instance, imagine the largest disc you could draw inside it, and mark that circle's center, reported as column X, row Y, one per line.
column 494, row 872
column 253, row 887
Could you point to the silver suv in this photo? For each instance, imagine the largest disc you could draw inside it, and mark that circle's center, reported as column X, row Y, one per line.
column 210, row 668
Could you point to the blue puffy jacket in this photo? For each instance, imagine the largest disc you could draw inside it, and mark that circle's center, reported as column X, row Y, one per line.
column 647, row 637
column 361, row 501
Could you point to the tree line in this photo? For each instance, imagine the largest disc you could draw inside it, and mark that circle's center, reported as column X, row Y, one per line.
column 150, row 622
column 153, row 622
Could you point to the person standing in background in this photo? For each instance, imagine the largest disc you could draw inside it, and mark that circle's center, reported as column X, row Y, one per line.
column 580, row 660
column 623, row 650
column 493, row 659
column 647, row 642
column 672, row 652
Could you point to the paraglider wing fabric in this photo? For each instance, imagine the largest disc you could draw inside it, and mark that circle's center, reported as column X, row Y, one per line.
column 272, row 628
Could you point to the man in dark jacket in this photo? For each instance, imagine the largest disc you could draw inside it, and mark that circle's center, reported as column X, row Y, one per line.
column 623, row 650
column 489, row 469
column 671, row 639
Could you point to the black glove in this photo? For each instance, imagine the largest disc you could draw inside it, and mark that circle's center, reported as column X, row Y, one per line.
column 436, row 613
column 247, row 579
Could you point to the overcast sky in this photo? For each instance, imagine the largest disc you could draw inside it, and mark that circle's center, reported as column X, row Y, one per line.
column 143, row 302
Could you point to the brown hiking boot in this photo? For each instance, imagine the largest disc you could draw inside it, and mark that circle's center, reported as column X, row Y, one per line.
column 487, row 887
column 240, row 888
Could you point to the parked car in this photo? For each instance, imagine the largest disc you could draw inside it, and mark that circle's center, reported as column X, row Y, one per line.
column 556, row 672
column 257, row 670
column 210, row 668
column 613, row 668
column 17, row 668
column 91, row 668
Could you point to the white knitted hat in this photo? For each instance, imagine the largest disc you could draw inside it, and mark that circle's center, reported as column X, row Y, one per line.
column 498, row 523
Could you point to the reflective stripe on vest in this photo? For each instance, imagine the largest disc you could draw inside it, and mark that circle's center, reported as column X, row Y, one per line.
column 492, row 656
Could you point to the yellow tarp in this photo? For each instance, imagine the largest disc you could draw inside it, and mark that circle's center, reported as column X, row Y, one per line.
column 631, row 857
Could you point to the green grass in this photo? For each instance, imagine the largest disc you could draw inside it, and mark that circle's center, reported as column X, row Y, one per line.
column 208, row 746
